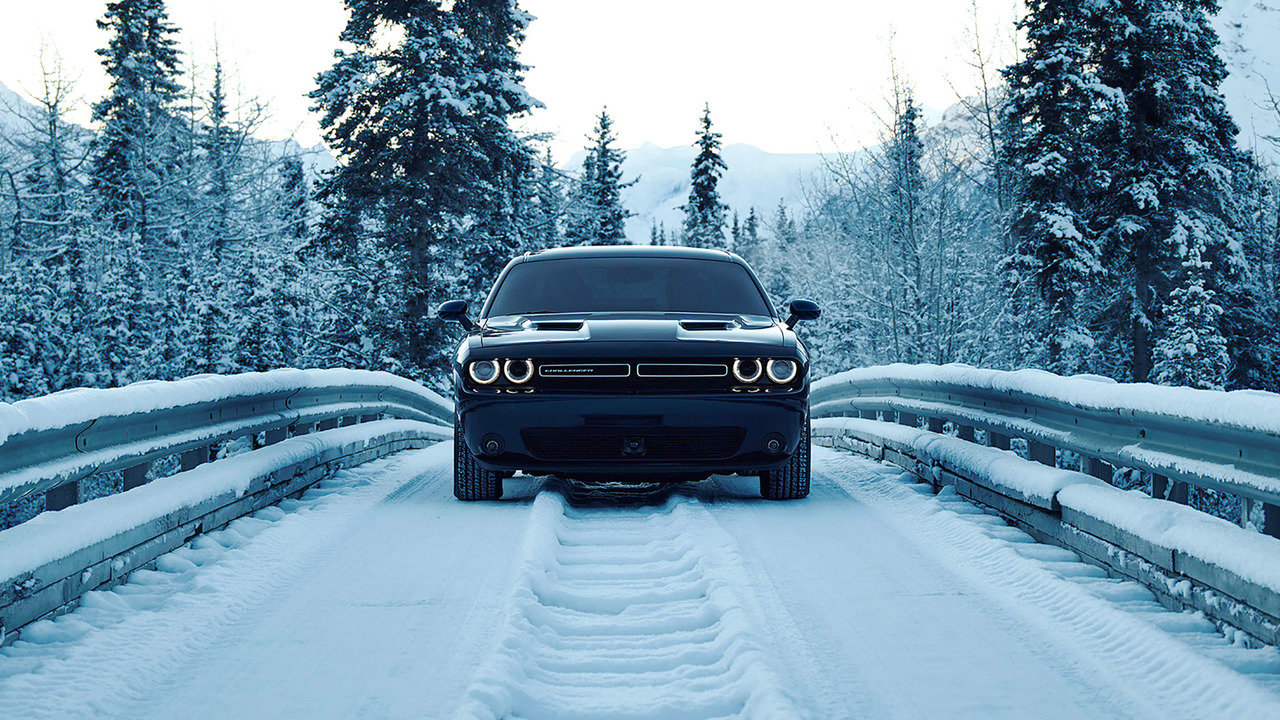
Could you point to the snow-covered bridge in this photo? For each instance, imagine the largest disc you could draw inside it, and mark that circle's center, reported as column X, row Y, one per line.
column 951, row 561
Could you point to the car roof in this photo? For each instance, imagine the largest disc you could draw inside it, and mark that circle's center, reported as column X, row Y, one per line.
column 660, row 251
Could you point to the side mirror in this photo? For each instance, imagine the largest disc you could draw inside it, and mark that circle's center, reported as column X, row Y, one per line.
column 803, row 310
column 456, row 311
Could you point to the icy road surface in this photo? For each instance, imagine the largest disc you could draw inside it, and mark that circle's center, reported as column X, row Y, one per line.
column 379, row 596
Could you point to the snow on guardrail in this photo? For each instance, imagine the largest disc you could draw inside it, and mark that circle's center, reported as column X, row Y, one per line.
column 1247, row 410
column 1225, row 441
column 83, row 405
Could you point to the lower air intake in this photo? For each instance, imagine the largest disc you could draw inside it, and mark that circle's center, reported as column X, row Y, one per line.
column 619, row 444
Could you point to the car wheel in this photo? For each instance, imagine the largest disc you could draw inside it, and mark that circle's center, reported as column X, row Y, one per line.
column 791, row 481
column 470, row 481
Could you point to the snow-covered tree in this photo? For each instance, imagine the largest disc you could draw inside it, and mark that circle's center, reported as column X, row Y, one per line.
column 131, row 168
column 747, row 244
column 418, row 110
column 1053, row 160
column 1171, row 157
column 596, row 215
column 704, row 213
column 1191, row 350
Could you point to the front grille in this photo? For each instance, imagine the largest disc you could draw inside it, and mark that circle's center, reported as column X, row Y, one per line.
column 589, row 443
column 682, row 370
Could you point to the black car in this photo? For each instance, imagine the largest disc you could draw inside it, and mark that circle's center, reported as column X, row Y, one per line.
column 637, row 363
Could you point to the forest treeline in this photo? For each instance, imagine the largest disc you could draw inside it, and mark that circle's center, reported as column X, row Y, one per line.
column 1088, row 210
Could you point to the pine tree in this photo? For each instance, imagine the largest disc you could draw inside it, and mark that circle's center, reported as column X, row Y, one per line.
column 548, row 206
column 1191, row 350
column 905, row 184
column 131, row 168
column 219, row 144
column 704, row 213
column 747, row 245
column 429, row 166
column 596, row 213
column 293, row 199
column 1054, row 166
column 1170, row 151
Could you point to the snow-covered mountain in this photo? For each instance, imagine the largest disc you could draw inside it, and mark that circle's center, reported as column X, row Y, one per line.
column 754, row 178
column 1250, row 33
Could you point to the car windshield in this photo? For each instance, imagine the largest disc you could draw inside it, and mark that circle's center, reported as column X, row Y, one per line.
column 628, row 284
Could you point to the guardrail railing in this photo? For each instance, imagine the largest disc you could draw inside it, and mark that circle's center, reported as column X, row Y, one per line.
column 50, row 444
column 1226, row 441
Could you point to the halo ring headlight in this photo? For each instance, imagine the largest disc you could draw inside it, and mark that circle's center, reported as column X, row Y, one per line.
column 517, row 374
column 782, row 371
column 747, row 370
column 484, row 372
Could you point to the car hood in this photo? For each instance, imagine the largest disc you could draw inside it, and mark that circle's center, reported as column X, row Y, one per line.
column 657, row 329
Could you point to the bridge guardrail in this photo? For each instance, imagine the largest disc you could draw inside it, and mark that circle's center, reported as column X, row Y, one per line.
column 50, row 444
column 1227, row 441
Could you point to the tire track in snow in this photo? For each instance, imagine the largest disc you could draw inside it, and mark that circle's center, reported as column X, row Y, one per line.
column 1165, row 677
column 628, row 614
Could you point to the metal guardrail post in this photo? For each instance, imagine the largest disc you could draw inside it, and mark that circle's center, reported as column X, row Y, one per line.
column 936, row 424
column 136, row 476
column 965, row 432
column 997, row 440
column 369, row 418
column 1271, row 519
column 63, row 496
column 1097, row 468
column 193, row 459
column 1042, row 453
column 304, row 429
column 909, row 419
column 273, row 436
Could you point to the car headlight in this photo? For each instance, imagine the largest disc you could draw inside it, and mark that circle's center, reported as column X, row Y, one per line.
column 782, row 371
column 518, row 371
column 747, row 370
column 483, row 371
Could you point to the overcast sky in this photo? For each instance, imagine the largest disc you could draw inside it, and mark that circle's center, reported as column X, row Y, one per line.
column 783, row 76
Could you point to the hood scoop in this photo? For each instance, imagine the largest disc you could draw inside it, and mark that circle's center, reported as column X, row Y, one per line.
column 560, row 325
column 707, row 325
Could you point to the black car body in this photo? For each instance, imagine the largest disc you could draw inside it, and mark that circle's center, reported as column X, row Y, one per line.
column 650, row 363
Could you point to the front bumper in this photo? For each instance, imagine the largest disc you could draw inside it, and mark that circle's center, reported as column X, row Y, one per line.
column 756, row 419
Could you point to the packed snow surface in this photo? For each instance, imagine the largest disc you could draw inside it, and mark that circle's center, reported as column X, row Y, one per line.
column 377, row 595
column 54, row 535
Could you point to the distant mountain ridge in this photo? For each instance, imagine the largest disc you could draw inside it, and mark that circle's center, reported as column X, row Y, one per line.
column 755, row 178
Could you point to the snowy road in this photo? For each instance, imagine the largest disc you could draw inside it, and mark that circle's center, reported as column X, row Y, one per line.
column 379, row 596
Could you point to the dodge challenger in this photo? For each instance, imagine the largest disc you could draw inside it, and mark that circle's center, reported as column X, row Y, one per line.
column 656, row 364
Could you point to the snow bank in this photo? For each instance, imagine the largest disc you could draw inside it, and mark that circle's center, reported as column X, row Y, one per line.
column 1246, row 410
column 52, row 536
column 1002, row 470
column 1252, row 556
column 75, row 407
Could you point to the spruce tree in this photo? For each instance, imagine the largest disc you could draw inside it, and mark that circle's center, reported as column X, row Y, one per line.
column 905, row 185
column 596, row 212
column 1054, row 162
column 1171, row 154
column 429, row 168
column 130, row 170
column 293, row 200
column 704, row 213
column 548, row 206
column 747, row 245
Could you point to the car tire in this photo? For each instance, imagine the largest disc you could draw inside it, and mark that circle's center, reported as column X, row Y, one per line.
column 791, row 481
column 470, row 481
